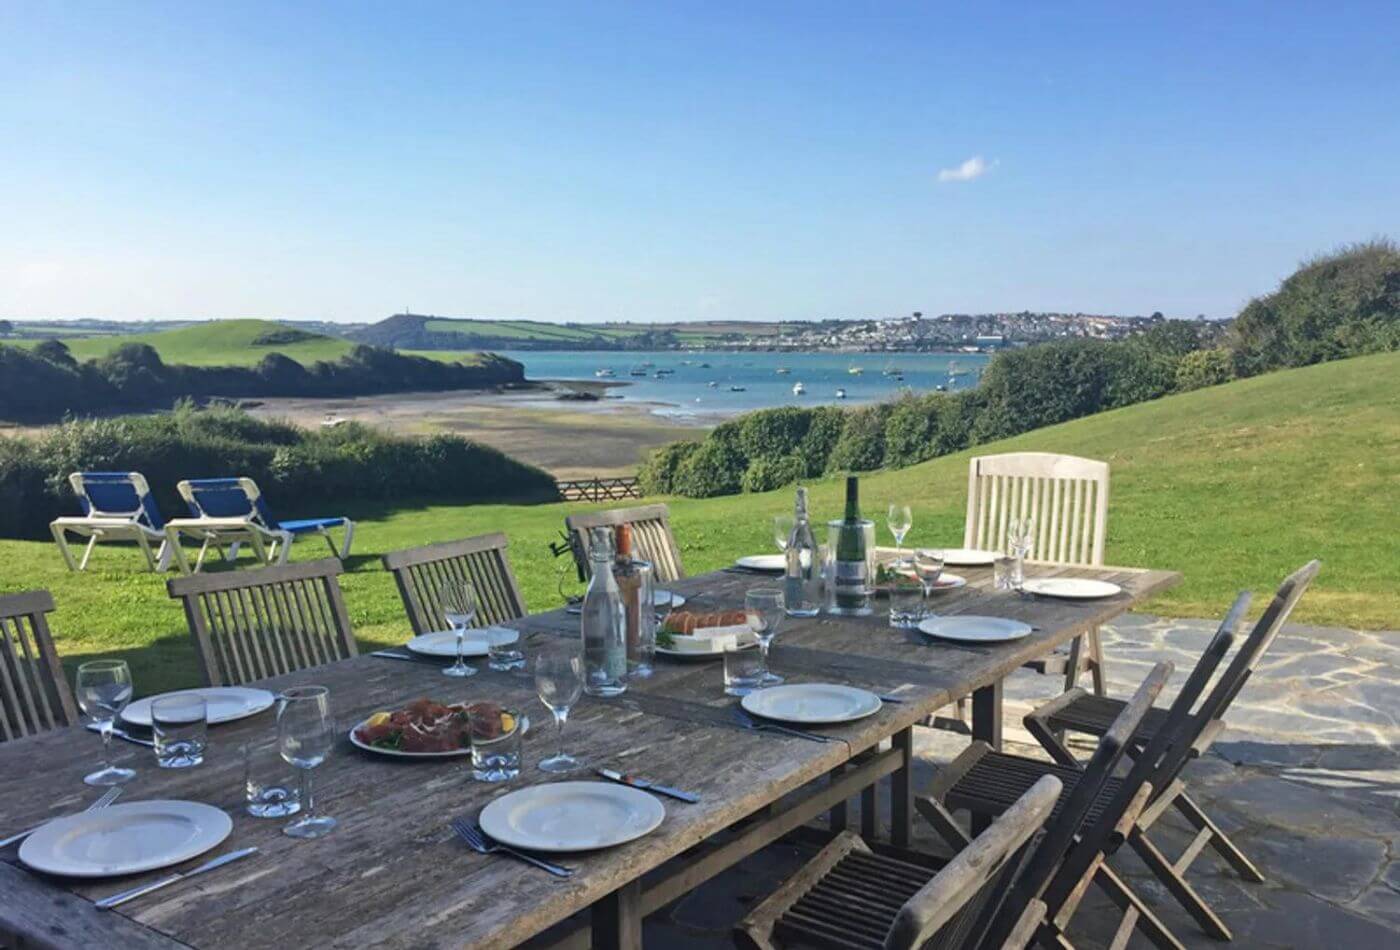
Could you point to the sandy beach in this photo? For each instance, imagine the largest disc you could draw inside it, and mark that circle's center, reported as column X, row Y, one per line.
column 567, row 438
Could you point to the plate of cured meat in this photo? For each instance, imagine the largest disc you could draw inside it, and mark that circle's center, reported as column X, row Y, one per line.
column 427, row 729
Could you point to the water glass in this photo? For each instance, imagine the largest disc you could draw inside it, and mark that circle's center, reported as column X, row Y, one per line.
column 1006, row 573
column 782, row 530
column 764, row 608
column 1020, row 537
column 900, row 520
column 906, row 596
column 495, row 734
column 103, row 689
column 459, row 610
column 504, row 652
column 269, row 786
column 559, row 682
column 929, row 566
column 180, row 726
column 306, row 733
column 743, row 670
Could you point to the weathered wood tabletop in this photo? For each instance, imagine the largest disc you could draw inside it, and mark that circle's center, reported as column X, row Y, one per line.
column 393, row 874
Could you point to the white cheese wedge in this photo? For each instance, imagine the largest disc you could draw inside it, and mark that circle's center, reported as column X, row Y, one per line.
column 713, row 639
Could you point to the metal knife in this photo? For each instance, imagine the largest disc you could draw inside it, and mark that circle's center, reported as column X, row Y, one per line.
column 107, row 903
column 391, row 655
column 121, row 734
column 647, row 786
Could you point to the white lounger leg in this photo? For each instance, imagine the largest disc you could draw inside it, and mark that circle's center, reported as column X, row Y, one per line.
column 349, row 539
column 164, row 556
column 61, row 539
column 87, row 551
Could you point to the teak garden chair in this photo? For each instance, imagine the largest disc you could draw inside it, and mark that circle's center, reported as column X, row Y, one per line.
column 34, row 695
column 652, row 539
column 421, row 573
column 117, row 506
column 853, row 897
column 1077, row 712
column 255, row 624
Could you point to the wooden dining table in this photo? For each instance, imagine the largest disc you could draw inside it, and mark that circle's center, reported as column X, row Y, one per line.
column 394, row 874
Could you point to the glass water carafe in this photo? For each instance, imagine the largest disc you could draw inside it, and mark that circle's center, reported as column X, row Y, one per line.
column 802, row 578
column 634, row 581
column 604, row 622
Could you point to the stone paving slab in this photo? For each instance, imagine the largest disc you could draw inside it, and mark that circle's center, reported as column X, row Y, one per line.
column 1306, row 780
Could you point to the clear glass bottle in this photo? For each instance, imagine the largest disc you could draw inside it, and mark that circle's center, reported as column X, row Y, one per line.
column 634, row 584
column 604, row 622
column 802, row 583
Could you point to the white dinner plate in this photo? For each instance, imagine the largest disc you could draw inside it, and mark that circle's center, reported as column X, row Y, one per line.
column 812, row 703
column 969, row 557
column 948, row 581
column 125, row 839
column 763, row 562
column 970, row 629
column 222, row 703
column 396, row 754
column 666, row 598
column 571, row 816
column 1071, row 588
column 477, row 642
column 745, row 644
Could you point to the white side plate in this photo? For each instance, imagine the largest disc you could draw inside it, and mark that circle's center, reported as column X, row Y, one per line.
column 1071, row 588
column 812, row 703
column 763, row 562
column 571, row 816
column 969, row 557
column 665, row 598
column 477, row 642
column 948, row 581
column 222, row 703
column 125, row 839
column 970, row 629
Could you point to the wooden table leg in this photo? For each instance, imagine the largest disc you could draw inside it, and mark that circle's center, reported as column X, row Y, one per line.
column 838, row 819
column 986, row 715
column 617, row 919
column 902, row 791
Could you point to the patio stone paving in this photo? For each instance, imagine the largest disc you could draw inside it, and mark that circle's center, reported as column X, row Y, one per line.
column 1306, row 780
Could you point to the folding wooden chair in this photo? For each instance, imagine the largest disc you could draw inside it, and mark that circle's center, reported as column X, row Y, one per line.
column 251, row 625
column 1088, row 824
column 34, row 694
column 652, row 539
column 421, row 573
column 855, row 897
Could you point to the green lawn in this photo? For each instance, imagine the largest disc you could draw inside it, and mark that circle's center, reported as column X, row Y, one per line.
column 216, row 343
column 1234, row 486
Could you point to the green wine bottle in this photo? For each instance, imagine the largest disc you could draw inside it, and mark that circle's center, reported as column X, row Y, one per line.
column 852, row 586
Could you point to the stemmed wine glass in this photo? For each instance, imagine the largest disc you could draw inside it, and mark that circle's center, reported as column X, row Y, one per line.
column 104, row 689
column 459, row 608
column 782, row 530
column 900, row 520
column 305, row 737
column 559, row 682
column 763, row 608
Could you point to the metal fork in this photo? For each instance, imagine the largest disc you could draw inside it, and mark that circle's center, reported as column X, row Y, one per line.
column 106, row 799
column 476, row 840
column 748, row 722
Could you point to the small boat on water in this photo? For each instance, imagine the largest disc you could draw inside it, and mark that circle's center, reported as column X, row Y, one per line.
column 704, row 365
column 637, row 371
column 783, row 371
column 604, row 373
column 798, row 389
column 713, row 384
column 665, row 372
column 840, row 394
column 854, row 370
column 738, row 389
column 940, row 388
column 892, row 370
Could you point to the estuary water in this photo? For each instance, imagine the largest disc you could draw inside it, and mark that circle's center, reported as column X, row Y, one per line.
column 724, row 383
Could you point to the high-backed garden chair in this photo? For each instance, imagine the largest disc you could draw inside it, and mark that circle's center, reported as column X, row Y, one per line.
column 852, row 897
column 231, row 511
column 652, row 539
column 421, row 573
column 1077, row 712
column 250, row 625
column 117, row 506
column 34, row 695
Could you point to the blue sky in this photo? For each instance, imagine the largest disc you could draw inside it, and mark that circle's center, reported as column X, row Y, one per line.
column 669, row 160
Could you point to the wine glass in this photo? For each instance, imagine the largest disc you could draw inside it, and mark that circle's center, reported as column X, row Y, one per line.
column 900, row 520
column 305, row 737
column 459, row 608
column 104, row 689
column 763, row 608
column 1020, row 537
column 559, row 682
column 782, row 530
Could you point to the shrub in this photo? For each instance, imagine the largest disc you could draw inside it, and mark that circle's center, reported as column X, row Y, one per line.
column 771, row 433
column 823, row 431
column 658, row 473
column 712, row 469
column 766, row 474
column 861, row 447
column 910, row 429
column 1204, row 368
column 284, row 336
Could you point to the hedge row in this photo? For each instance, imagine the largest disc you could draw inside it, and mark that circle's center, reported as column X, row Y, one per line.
column 302, row 473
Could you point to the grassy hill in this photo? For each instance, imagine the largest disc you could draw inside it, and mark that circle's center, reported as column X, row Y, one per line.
column 1233, row 485
column 215, row 343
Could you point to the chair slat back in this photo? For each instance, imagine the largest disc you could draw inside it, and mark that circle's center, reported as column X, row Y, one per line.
column 226, row 498
column 249, row 625
column 116, row 495
column 1067, row 496
column 952, row 911
column 652, row 539
column 34, row 695
column 421, row 574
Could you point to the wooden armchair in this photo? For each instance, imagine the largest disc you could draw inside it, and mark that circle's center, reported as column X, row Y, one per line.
column 255, row 624
column 34, row 695
column 421, row 574
column 652, row 539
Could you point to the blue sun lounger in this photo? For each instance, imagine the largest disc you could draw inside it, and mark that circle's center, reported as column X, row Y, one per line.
column 232, row 511
column 117, row 506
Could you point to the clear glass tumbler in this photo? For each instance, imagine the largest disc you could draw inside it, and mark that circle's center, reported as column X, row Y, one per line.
column 495, row 733
column 743, row 670
column 1006, row 573
column 906, row 595
column 180, row 726
column 269, row 783
column 503, row 650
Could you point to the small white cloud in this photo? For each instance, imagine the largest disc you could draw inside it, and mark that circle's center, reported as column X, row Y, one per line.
column 974, row 167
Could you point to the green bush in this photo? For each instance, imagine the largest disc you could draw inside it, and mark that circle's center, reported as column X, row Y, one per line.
column 772, row 433
column 302, row 473
column 766, row 474
column 861, row 447
column 911, row 428
column 823, row 431
column 1204, row 368
column 714, row 468
column 658, row 473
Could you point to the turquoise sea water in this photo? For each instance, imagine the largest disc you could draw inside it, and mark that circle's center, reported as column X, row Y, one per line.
column 686, row 389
